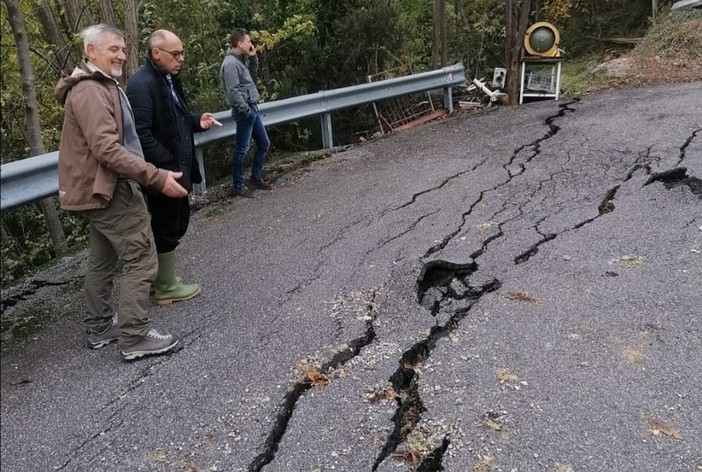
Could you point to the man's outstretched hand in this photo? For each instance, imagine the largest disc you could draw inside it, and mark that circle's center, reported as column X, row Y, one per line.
column 207, row 121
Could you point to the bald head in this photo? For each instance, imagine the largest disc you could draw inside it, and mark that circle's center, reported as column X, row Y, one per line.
column 166, row 50
column 161, row 38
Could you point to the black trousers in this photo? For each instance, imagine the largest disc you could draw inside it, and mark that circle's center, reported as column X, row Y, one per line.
column 169, row 220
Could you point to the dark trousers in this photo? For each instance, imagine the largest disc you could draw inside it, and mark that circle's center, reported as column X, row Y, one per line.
column 169, row 220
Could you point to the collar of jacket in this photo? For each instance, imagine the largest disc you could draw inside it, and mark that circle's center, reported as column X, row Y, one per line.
column 155, row 70
column 83, row 71
column 97, row 72
column 236, row 54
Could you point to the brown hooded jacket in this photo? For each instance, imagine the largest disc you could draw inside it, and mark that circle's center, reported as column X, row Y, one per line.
column 91, row 154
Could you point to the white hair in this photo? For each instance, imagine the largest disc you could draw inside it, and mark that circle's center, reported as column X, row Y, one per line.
column 94, row 34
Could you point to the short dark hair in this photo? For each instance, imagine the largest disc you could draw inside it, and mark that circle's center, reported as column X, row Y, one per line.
column 238, row 35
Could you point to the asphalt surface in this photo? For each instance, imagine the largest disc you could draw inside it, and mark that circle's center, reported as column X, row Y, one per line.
column 517, row 290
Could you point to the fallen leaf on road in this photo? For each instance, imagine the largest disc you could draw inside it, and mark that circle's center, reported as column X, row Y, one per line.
column 630, row 261
column 340, row 374
column 492, row 424
column 562, row 468
column 410, row 456
column 658, row 427
column 487, row 464
column 317, row 379
column 380, row 394
column 633, row 356
column 504, row 375
column 157, row 455
column 484, row 228
column 524, row 296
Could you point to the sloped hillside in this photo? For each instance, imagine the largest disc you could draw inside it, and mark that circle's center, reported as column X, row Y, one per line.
column 671, row 51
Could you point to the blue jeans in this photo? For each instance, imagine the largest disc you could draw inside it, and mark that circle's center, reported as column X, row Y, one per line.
column 247, row 128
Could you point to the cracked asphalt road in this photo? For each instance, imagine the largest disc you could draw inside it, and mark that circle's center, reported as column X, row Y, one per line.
column 518, row 290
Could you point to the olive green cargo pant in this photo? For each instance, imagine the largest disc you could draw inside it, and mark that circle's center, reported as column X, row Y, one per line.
column 120, row 233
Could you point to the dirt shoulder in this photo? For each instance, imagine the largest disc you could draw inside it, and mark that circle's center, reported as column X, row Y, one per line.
column 634, row 70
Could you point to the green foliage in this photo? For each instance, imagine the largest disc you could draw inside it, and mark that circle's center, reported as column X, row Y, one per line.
column 480, row 34
column 12, row 103
column 556, row 12
column 415, row 19
column 28, row 246
column 591, row 20
column 475, row 33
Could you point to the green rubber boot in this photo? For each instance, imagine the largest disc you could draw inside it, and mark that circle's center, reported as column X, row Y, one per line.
column 168, row 288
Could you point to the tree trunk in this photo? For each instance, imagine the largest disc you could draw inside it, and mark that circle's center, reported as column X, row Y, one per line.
column 458, row 9
column 516, row 36
column 654, row 8
column 78, row 15
column 131, row 20
column 509, row 30
column 36, row 146
column 107, row 13
column 444, row 34
column 436, row 34
column 58, row 237
column 55, row 36
column 439, row 51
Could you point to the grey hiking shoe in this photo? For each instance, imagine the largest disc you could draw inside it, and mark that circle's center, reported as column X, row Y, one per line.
column 108, row 335
column 152, row 344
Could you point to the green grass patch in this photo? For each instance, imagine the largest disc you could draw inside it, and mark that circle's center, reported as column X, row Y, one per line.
column 578, row 77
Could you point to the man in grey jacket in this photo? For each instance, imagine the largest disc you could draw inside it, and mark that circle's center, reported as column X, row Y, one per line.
column 238, row 80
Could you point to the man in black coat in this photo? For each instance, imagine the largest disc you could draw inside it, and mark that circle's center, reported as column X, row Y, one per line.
column 165, row 126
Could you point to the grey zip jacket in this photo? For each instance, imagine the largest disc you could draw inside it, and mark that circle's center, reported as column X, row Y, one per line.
column 238, row 81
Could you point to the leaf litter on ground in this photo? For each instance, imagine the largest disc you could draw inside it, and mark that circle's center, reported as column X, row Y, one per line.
column 657, row 427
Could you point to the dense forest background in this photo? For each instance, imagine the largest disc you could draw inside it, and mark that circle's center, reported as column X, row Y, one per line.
column 304, row 46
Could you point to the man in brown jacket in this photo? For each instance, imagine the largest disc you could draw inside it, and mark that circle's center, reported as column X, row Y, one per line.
column 101, row 165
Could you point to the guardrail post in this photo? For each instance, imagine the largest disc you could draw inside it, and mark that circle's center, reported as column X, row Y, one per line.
column 448, row 99
column 200, row 188
column 327, row 136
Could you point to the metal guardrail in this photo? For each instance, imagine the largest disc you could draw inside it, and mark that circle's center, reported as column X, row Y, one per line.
column 33, row 178
column 28, row 180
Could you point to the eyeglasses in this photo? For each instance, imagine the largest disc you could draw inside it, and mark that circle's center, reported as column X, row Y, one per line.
column 176, row 54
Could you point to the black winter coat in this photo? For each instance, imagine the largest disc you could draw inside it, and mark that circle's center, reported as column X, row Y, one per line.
column 155, row 115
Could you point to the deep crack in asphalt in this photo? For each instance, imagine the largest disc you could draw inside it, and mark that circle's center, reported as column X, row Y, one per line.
column 286, row 408
column 439, row 275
